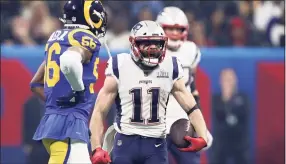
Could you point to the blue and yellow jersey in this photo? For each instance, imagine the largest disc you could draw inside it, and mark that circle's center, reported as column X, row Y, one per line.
column 56, row 84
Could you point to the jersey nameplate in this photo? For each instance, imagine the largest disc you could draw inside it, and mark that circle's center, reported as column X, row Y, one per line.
column 58, row 36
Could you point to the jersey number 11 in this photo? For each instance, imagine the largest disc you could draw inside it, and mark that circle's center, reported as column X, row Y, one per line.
column 137, row 102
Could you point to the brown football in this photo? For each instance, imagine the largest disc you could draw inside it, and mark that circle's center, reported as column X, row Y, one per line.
column 179, row 130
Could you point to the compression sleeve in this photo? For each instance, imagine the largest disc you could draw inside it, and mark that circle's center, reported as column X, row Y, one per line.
column 71, row 67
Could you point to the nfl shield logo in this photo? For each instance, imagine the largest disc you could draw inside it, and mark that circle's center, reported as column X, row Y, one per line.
column 119, row 142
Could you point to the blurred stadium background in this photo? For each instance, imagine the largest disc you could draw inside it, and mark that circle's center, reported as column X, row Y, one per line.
column 242, row 44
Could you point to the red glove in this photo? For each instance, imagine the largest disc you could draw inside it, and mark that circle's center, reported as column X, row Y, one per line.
column 100, row 157
column 196, row 144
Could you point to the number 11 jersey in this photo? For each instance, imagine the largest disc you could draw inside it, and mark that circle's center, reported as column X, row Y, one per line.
column 142, row 97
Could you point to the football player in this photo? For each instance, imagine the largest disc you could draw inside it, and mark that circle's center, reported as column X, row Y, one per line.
column 140, row 83
column 65, row 82
column 175, row 24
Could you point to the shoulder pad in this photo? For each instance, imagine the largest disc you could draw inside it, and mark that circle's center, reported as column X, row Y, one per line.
column 190, row 48
column 123, row 54
column 190, row 44
column 123, row 58
column 85, row 39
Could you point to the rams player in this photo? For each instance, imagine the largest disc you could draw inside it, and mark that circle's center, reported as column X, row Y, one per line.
column 175, row 24
column 65, row 82
column 140, row 84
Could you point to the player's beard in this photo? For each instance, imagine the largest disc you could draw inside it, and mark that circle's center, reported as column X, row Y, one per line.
column 155, row 54
column 150, row 58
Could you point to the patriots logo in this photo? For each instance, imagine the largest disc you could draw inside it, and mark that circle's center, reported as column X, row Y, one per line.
column 137, row 27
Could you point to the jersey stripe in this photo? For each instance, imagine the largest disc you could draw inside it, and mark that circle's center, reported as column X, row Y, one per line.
column 175, row 68
column 115, row 66
column 119, row 110
column 197, row 56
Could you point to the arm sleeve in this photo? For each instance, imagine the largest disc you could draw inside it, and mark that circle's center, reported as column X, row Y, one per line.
column 71, row 67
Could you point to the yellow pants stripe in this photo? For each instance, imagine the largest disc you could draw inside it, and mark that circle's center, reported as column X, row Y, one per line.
column 59, row 150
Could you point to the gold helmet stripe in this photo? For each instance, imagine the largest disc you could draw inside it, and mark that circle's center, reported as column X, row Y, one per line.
column 87, row 4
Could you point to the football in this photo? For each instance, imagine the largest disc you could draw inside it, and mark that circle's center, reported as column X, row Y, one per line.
column 179, row 130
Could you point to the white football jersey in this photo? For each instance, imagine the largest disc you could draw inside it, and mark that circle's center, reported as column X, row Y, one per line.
column 142, row 98
column 190, row 56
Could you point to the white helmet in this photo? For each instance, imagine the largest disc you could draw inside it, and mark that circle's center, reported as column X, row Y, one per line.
column 148, row 43
column 173, row 17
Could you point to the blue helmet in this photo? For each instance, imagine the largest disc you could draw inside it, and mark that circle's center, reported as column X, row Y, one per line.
column 85, row 14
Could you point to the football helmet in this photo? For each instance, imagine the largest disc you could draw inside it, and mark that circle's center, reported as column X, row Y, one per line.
column 88, row 14
column 148, row 43
column 174, row 18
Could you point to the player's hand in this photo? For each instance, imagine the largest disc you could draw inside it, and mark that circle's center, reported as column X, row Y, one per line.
column 71, row 99
column 99, row 156
column 196, row 144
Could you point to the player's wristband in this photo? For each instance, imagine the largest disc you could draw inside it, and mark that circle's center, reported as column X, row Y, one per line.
column 34, row 85
column 193, row 109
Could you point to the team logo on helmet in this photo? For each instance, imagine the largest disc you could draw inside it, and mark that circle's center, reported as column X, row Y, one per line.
column 137, row 27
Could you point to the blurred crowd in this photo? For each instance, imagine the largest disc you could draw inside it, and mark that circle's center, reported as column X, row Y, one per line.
column 212, row 23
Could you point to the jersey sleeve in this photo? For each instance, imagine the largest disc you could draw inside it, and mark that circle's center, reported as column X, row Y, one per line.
column 178, row 72
column 112, row 68
column 197, row 58
column 85, row 39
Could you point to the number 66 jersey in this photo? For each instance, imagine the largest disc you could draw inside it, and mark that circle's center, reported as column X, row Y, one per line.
column 56, row 84
column 142, row 96
column 59, row 123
